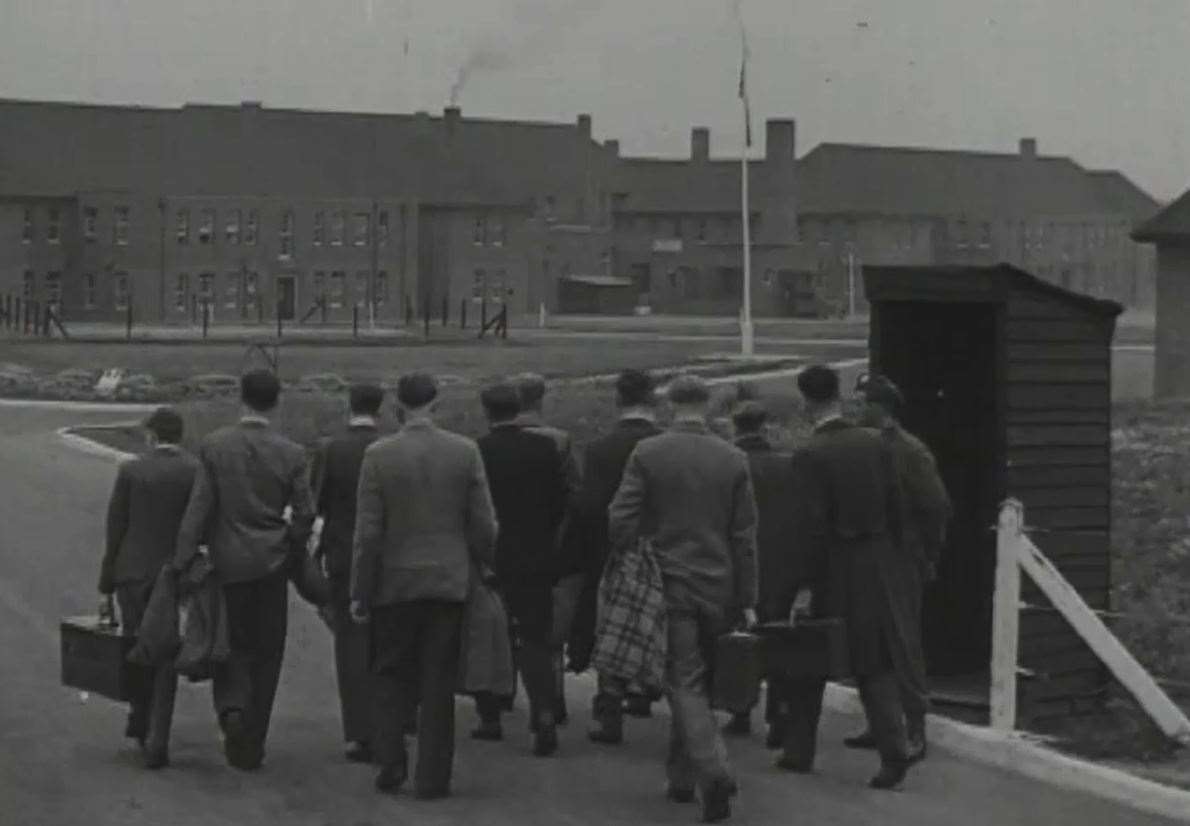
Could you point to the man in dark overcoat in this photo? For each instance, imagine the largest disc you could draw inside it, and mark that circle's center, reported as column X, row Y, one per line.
column 772, row 484
column 927, row 510
column 848, row 517
column 146, row 508
column 603, row 468
column 336, row 482
column 526, row 477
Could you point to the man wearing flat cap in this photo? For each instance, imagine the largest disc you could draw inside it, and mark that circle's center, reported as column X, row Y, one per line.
column 847, row 521
column 926, row 512
column 690, row 493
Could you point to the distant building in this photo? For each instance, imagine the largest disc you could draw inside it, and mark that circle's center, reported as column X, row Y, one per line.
column 1169, row 231
column 1046, row 215
column 251, row 212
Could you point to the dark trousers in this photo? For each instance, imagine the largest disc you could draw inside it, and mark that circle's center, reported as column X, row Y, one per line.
column 799, row 706
column 153, row 689
column 535, row 664
column 415, row 655
column 257, row 620
column 530, row 607
column 354, row 678
column 697, row 754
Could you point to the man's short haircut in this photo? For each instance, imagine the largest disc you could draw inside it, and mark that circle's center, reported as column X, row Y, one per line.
column 501, row 402
column 881, row 390
column 365, row 399
column 634, row 388
column 819, row 383
column 260, row 389
column 749, row 417
column 531, row 388
column 689, row 389
column 166, row 425
column 416, row 390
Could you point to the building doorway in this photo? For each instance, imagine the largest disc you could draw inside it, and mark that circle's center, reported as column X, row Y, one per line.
column 286, row 297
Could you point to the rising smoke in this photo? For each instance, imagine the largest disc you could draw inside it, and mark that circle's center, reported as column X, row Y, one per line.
column 542, row 21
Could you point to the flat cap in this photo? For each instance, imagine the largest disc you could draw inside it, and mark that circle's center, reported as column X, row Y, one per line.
column 878, row 389
column 689, row 389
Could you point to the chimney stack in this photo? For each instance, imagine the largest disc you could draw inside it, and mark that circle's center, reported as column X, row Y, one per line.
column 780, row 142
column 700, row 144
column 1029, row 148
column 584, row 126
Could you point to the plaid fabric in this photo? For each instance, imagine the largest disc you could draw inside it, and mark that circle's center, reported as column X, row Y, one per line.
column 631, row 633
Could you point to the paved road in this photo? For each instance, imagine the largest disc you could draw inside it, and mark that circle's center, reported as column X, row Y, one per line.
column 62, row 760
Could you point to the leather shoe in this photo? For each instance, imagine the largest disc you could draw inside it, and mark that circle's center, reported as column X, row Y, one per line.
column 866, row 740
column 545, row 739
column 794, row 764
column 155, row 759
column 609, row 731
column 359, row 752
column 716, row 801
column 917, row 750
column 890, row 775
column 390, row 779
column 492, row 732
column 431, row 794
column 675, row 795
column 638, row 707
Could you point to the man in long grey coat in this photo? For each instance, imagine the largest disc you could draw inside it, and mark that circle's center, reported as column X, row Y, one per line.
column 690, row 493
column 927, row 511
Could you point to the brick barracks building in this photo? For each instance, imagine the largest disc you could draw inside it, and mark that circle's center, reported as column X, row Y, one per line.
column 254, row 212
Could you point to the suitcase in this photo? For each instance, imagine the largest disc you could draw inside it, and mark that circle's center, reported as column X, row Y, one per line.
column 95, row 658
column 739, row 668
column 812, row 648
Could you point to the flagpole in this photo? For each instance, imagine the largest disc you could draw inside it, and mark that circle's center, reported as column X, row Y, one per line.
column 746, row 343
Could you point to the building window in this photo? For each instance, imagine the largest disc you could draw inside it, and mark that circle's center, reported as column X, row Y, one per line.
column 361, row 288
column 121, row 293
column 206, row 288
column 499, row 286
column 382, row 227
column 496, row 231
column 251, row 227
column 27, row 228
column 338, row 288
column 231, row 291
column 53, row 288
column 28, row 286
column 380, row 288
column 360, row 224
column 337, row 228
column 231, row 232
column 318, row 231
column 479, row 231
column 701, row 231
column 478, row 285
column 985, row 235
column 251, row 290
column 769, row 277
column 961, row 234
column 90, row 223
column 53, row 230
column 182, row 226
column 182, row 292
column 286, row 235
column 319, row 285
column 206, row 226
column 89, row 291
column 120, row 226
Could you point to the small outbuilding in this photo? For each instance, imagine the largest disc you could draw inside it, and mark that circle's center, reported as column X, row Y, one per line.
column 1007, row 378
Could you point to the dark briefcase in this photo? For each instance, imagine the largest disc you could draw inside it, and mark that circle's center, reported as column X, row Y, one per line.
column 739, row 668
column 94, row 658
column 812, row 648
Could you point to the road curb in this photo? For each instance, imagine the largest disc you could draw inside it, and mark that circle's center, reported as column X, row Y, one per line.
column 1021, row 754
column 90, row 446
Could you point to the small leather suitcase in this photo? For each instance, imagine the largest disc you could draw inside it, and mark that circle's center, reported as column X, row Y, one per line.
column 739, row 668
column 95, row 658
column 812, row 648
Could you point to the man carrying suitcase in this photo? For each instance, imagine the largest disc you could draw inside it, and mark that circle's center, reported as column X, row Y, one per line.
column 147, row 503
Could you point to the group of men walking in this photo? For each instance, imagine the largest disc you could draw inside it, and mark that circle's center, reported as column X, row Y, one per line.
column 849, row 525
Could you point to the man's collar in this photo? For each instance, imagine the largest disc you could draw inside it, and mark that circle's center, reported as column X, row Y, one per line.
column 515, row 424
column 255, row 420
column 419, row 422
column 690, row 424
column 362, row 421
column 754, row 440
column 639, row 416
column 529, row 418
column 167, row 447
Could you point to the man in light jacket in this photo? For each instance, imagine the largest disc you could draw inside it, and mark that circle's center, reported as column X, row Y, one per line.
column 424, row 523
column 690, row 493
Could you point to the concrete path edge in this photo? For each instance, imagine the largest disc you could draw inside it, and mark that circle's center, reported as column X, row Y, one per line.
column 1022, row 754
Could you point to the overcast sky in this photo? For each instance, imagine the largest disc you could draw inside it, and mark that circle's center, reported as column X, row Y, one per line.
column 1105, row 81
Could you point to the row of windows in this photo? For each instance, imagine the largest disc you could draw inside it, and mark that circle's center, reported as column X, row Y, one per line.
column 241, row 290
column 240, row 228
column 699, row 228
column 489, row 231
column 121, row 217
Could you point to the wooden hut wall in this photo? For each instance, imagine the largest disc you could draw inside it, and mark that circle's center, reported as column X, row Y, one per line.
column 1058, row 451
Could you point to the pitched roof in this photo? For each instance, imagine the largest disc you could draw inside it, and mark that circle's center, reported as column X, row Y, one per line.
column 656, row 185
column 1170, row 224
column 847, row 178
